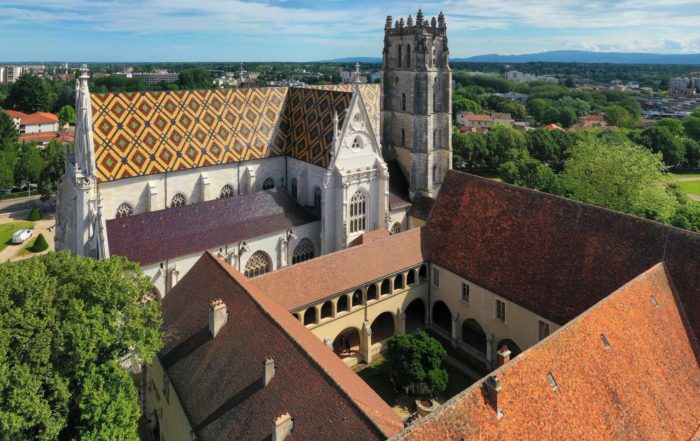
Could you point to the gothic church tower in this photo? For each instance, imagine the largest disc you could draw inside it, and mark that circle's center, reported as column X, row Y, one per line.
column 417, row 100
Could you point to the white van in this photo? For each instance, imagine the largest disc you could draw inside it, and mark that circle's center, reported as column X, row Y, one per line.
column 20, row 236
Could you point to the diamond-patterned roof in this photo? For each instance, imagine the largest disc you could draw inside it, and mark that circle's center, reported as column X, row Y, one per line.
column 143, row 133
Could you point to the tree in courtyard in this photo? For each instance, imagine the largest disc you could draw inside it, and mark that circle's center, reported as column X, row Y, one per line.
column 68, row 326
column 29, row 94
column 618, row 175
column 67, row 114
column 415, row 363
column 8, row 130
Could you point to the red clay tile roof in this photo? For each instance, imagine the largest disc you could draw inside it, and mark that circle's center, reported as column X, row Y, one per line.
column 313, row 280
column 159, row 235
column 33, row 118
column 421, row 207
column 550, row 255
column 15, row 114
column 44, row 137
column 219, row 380
column 646, row 386
column 551, row 127
column 370, row 237
column 477, row 117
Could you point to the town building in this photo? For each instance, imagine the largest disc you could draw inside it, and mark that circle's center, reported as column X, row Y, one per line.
column 39, row 127
column 521, row 77
column 470, row 119
column 683, row 87
column 11, row 73
column 161, row 76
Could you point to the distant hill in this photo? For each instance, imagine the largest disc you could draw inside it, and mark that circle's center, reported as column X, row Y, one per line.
column 586, row 57
column 355, row 60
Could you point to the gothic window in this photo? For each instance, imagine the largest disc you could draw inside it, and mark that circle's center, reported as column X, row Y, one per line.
column 317, row 198
column 269, row 184
column 303, row 251
column 356, row 144
column 400, row 54
column 403, row 137
column 358, row 212
column 408, row 55
column 259, row 263
column 294, row 188
column 178, row 201
column 403, row 102
column 124, row 210
column 226, row 192
column 435, row 139
column 396, row 228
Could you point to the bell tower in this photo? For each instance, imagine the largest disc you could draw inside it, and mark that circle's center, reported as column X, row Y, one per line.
column 417, row 100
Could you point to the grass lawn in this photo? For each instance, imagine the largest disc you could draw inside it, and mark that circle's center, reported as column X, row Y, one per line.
column 27, row 248
column 7, row 230
column 692, row 187
column 685, row 175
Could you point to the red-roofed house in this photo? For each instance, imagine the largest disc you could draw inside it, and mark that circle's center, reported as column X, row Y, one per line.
column 39, row 127
column 474, row 120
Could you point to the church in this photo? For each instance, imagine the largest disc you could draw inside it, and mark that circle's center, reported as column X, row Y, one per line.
column 290, row 232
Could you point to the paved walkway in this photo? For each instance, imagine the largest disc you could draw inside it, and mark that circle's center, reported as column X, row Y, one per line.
column 18, row 204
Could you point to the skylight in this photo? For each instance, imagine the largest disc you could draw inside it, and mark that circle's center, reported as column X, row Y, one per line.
column 552, row 381
column 605, row 341
column 654, row 301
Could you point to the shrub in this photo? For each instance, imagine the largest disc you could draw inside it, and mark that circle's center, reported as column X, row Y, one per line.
column 35, row 215
column 40, row 244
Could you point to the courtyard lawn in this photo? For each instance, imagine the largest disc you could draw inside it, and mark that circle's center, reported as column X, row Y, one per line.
column 692, row 187
column 28, row 248
column 8, row 229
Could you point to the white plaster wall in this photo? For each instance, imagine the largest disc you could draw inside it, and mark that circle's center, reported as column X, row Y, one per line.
column 314, row 178
column 400, row 217
column 40, row 128
column 269, row 243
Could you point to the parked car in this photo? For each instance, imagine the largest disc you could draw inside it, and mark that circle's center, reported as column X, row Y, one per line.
column 20, row 236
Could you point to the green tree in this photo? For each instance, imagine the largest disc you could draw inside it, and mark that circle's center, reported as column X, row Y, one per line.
column 692, row 127
column 466, row 105
column 567, row 116
column 66, row 326
column 415, row 362
column 660, row 139
column 620, row 176
column 525, row 171
column 692, row 152
column 8, row 130
column 40, row 244
column 616, row 115
column 29, row 164
column 516, row 110
column 195, row 78
column 54, row 166
column 67, row 114
column 674, row 125
column 504, row 143
column 29, row 94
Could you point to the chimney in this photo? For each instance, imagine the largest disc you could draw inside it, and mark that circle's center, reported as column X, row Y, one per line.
column 284, row 424
column 503, row 355
column 492, row 387
column 218, row 316
column 268, row 371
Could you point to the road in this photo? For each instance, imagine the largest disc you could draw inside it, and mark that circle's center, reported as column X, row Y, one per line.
column 18, row 204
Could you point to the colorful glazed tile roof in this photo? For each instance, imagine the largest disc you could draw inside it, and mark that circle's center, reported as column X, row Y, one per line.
column 143, row 133
column 371, row 96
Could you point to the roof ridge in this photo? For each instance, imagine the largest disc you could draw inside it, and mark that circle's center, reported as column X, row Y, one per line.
column 259, row 295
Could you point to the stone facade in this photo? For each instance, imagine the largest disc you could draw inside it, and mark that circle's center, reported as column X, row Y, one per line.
column 417, row 97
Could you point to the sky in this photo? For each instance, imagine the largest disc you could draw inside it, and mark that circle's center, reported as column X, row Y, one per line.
column 306, row 30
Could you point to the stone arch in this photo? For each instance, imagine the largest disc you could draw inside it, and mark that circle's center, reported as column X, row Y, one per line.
column 372, row 292
column 423, row 273
column 512, row 346
column 342, row 304
column 473, row 335
column 226, row 192
column 411, row 277
column 179, row 200
column 259, row 263
column 310, row 316
column 124, row 210
column 415, row 315
column 398, row 281
column 347, row 343
column 357, row 298
column 303, row 251
column 268, row 184
column 396, row 228
column 442, row 316
column 327, row 309
column 382, row 327
column 386, row 287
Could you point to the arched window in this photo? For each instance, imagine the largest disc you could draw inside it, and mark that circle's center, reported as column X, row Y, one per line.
column 269, row 184
column 399, row 55
column 403, row 137
column 226, row 192
column 178, row 200
column 403, row 102
column 396, row 228
column 435, row 138
column 317, row 198
column 303, row 251
column 124, row 210
column 294, row 188
column 358, row 212
column 408, row 55
column 259, row 263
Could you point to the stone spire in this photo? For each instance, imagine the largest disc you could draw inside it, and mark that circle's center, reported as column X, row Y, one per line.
column 389, row 21
column 84, row 144
column 441, row 20
column 409, row 21
column 357, row 73
column 419, row 18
